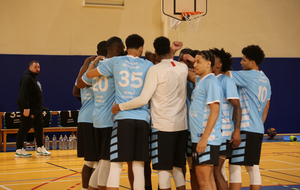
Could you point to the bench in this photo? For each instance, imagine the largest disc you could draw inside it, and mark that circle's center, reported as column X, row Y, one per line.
column 4, row 132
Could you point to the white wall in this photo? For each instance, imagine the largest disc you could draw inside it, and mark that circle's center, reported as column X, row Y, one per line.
column 65, row 27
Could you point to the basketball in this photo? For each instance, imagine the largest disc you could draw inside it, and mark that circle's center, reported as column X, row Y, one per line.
column 271, row 132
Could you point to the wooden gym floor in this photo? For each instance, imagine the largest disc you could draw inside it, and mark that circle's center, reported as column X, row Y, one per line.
column 280, row 169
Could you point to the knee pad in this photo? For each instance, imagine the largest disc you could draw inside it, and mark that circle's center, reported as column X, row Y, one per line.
column 139, row 176
column 103, row 172
column 223, row 171
column 235, row 175
column 94, row 178
column 114, row 174
column 254, row 174
column 95, row 165
column 178, row 176
column 164, row 179
column 89, row 164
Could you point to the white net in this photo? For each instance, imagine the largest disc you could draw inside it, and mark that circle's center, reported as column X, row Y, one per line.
column 192, row 21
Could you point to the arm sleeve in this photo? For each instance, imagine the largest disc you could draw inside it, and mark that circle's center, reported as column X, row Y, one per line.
column 214, row 92
column 86, row 80
column 26, row 87
column 230, row 90
column 241, row 78
column 150, row 85
column 106, row 68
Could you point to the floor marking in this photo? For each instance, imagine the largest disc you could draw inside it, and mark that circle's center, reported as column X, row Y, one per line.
column 42, row 182
column 4, row 187
column 61, row 167
column 287, row 162
column 278, row 172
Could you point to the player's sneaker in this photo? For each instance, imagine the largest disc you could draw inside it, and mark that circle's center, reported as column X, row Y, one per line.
column 42, row 151
column 21, row 153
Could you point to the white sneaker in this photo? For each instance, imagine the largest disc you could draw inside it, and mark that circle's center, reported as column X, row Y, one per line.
column 21, row 153
column 42, row 151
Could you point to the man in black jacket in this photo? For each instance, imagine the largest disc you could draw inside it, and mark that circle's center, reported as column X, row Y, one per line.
column 30, row 103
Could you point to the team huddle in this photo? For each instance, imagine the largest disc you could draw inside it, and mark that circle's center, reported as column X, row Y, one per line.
column 195, row 110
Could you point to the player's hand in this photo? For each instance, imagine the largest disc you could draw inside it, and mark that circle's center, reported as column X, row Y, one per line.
column 187, row 58
column 26, row 112
column 236, row 138
column 115, row 109
column 176, row 46
column 201, row 146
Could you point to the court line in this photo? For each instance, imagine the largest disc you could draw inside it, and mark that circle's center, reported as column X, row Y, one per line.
column 61, row 167
column 279, row 172
column 286, row 162
column 279, row 179
column 5, row 187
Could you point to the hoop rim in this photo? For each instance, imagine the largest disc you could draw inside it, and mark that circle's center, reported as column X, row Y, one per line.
column 190, row 13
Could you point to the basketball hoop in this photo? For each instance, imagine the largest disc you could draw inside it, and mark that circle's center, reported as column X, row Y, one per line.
column 192, row 19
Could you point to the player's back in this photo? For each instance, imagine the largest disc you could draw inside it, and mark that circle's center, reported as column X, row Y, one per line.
column 85, row 114
column 169, row 99
column 255, row 91
column 129, row 75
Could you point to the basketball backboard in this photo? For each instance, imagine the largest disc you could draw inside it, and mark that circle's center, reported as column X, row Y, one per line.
column 174, row 8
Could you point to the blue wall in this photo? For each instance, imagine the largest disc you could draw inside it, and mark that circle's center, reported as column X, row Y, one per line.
column 58, row 74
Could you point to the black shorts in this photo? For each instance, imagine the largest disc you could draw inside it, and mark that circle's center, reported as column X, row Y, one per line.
column 226, row 149
column 102, row 137
column 168, row 149
column 189, row 148
column 209, row 157
column 130, row 141
column 86, row 146
column 248, row 153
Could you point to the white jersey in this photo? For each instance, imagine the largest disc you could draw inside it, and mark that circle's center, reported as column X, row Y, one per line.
column 165, row 85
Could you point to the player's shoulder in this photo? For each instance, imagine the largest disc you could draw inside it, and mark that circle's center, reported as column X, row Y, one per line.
column 211, row 79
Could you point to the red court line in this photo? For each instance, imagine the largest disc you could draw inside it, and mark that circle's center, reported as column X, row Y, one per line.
column 54, row 180
column 74, row 186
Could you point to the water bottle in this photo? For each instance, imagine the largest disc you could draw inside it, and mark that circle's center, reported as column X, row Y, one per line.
column 70, row 142
column 65, row 142
column 74, row 142
column 54, row 145
column 61, row 143
column 47, row 142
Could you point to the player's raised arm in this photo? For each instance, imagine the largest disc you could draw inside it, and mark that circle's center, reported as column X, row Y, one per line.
column 80, row 83
column 92, row 70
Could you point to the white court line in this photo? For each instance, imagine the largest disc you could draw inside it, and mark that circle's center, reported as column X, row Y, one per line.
column 40, row 171
column 286, row 162
column 4, row 187
column 41, row 182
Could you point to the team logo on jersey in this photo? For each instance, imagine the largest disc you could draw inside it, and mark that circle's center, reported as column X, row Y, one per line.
column 39, row 84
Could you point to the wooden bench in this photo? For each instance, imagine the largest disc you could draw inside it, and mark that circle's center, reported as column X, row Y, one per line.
column 4, row 132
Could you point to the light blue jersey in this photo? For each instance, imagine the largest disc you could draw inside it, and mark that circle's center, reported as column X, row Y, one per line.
column 208, row 90
column 129, row 75
column 229, row 92
column 104, row 94
column 254, row 91
column 87, row 105
column 189, row 91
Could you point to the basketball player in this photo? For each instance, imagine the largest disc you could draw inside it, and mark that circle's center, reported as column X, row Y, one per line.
column 205, row 119
column 189, row 89
column 86, row 146
column 165, row 85
column 231, row 111
column 255, row 92
column 130, row 135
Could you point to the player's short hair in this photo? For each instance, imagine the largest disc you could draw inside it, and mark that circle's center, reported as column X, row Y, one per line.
column 207, row 55
column 162, row 45
column 255, row 53
column 225, row 58
column 32, row 62
column 134, row 41
column 101, row 48
column 114, row 41
column 184, row 51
